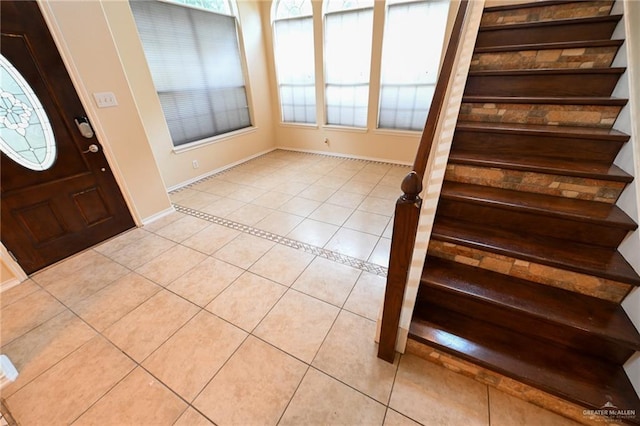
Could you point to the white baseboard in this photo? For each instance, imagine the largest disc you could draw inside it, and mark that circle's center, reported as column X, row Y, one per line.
column 340, row 155
column 159, row 215
column 10, row 283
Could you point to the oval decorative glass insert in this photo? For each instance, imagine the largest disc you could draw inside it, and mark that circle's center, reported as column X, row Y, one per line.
column 25, row 132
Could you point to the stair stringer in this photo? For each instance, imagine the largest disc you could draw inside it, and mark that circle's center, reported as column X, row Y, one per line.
column 436, row 167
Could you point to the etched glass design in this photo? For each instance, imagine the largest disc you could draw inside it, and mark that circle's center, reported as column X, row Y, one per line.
column 25, row 131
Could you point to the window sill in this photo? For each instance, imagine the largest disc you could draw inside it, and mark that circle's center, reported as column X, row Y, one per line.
column 299, row 125
column 345, row 128
column 404, row 133
column 212, row 140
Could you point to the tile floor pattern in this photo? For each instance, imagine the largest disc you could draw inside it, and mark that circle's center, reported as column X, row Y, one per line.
column 190, row 322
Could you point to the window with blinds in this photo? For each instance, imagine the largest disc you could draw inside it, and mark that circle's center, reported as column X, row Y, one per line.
column 348, row 33
column 409, row 74
column 294, row 59
column 195, row 63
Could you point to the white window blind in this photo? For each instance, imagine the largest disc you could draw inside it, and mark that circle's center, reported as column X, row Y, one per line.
column 194, row 58
column 411, row 50
column 295, row 69
column 347, row 43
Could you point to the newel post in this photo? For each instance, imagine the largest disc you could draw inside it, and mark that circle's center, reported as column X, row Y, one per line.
column 405, row 226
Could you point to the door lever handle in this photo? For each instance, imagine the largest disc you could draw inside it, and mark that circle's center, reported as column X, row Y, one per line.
column 92, row 148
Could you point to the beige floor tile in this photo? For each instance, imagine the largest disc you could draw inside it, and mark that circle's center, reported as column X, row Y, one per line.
column 317, row 192
column 282, row 264
column 115, row 301
column 16, row 293
column 370, row 223
column 352, row 243
column 246, row 194
column 367, row 296
column 272, row 199
column 297, row 324
column 333, row 182
column 222, row 207
column 349, row 200
column 68, row 267
column 391, row 193
column 137, row 400
column 211, row 238
column 119, row 242
column 77, row 381
column 181, row 194
column 332, row 214
column 358, row 187
column 205, row 281
column 141, row 331
column 431, row 394
column 313, row 232
column 141, row 251
column 308, row 177
column 378, row 205
column 218, row 186
column 507, row 410
column 44, row 346
column 198, row 201
column 350, row 355
column 279, row 223
column 245, row 302
column 171, row 264
column 388, row 231
column 192, row 418
column 328, row 281
column 182, row 229
column 368, row 176
column 189, row 359
column 394, row 180
column 41, row 307
column 253, row 388
column 163, row 221
column 249, row 214
column 380, row 254
column 244, row 250
column 300, row 206
column 291, row 187
column 322, row 400
column 87, row 281
column 393, row 418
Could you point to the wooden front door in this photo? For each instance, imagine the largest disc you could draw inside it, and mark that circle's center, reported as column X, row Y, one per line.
column 58, row 195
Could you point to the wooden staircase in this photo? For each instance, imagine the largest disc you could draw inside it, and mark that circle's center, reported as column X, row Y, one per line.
column 523, row 276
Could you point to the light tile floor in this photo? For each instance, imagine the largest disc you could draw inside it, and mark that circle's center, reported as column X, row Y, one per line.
column 254, row 304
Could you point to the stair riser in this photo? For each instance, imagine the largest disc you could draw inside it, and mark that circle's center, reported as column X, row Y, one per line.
column 539, row 183
column 525, row 324
column 590, row 233
column 544, row 114
column 546, row 13
column 539, row 146
column 546, row 34
column 573, row 281
column 596, row 84
column 595, row 57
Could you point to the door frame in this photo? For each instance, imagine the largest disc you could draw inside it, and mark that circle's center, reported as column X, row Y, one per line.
column 94, row 117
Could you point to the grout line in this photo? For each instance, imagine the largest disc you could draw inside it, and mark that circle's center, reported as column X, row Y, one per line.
column 363, row 265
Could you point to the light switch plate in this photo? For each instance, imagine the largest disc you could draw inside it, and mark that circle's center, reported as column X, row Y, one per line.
column 105, row 99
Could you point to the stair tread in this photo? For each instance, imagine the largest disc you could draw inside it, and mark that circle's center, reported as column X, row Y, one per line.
column 549, row 23
column 549, row 304
column 563, row 167
column 564, row 100
column 550, row 46
column 528, row 5
column 581, row 258
column 546, row 72
column 539, row 129
column 580, row 379
column 571, row 208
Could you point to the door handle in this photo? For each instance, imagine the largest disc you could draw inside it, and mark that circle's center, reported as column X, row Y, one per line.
column 92, row 148
column 84, row 127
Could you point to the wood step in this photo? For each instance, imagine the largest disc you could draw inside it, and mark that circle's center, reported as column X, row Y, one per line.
column 583, row 54
column 557, row 31
column 544, row 11
column 585, row 323
column 588, row 222
column 588, row 144
column 593, row 82
column 548, row 100
column 583, row 380
column 582, row 258
column 563, row 167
